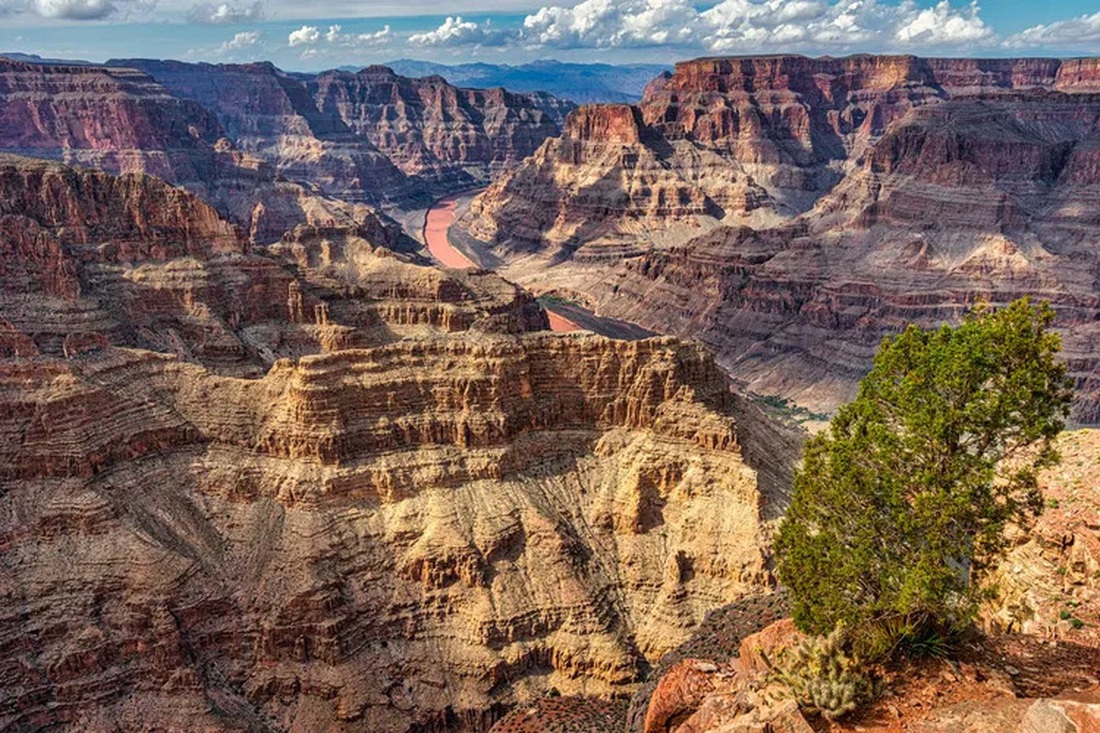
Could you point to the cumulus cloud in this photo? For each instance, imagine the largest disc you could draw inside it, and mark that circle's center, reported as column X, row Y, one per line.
column 455, row 31
column 731, row 26
column 378, row 38
column 1078, row 34
column 75, row 9
column 226, row 13
column 90, row 10
column 611, row 24
column 312, row 36
column 240, row 41
column 943, row 25
column 307, row 35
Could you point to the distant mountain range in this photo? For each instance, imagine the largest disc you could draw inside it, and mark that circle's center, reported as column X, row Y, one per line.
column 580, row 83
column 577, row 82
column 33, row 58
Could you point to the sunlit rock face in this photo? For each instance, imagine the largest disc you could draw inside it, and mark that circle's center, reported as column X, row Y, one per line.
column 436, row 131
column 321, row 485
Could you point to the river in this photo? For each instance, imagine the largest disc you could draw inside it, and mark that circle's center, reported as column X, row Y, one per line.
column 438, row 222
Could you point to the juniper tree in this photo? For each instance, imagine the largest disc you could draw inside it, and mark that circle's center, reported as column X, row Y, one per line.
column 903, row 503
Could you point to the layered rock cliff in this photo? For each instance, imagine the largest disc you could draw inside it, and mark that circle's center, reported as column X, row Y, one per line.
column 272, row 115
column 369, row 136
column 878, row 191
column 436, row 131
column 147, row 264
column 256, row 143
column 318, row 485
column 122, row 121
column 117, row 120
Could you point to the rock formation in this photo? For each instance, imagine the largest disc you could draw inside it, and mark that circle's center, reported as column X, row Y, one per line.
column 121, row 121
column 117, row 120
column 153, row 266
column 791, row 211
column 319, row 485
column 370, row 136
column 1034, row 671
column 435, row 131
column 255, row 143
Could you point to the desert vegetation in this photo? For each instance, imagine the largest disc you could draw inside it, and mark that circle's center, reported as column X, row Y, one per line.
column 902, row 506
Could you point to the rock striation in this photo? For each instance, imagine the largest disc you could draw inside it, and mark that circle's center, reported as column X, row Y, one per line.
column 121, row 121
column 791, row 211
column 371, row 136
column 118, row 120
column 318, row 485
column 433, row 130
column 267, row 149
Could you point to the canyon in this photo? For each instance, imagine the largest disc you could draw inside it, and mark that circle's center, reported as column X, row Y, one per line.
column 790, row 212
column 268, row 149
column 321, row 484
column 290, row 439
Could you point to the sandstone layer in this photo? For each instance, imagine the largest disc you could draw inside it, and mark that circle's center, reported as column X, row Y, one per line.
column 436, row 131
column 122, row 121
column 1033, row 668
column 118, row 120
column 319, row 485
column 791, row 211
column 271, row 150
column 369, row 136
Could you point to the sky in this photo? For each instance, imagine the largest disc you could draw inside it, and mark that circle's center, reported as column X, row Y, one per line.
column 320, row 34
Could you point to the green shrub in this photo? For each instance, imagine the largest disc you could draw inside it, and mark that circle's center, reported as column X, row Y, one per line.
column 902, row 505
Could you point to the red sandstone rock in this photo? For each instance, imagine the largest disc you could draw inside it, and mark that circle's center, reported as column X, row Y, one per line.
column 791, row 212
column 679, row 693
column 764, row 647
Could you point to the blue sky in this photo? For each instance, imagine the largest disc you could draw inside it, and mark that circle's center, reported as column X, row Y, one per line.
column 326, row 33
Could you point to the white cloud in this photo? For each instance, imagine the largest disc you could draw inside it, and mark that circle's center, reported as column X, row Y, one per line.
column 458, row 32
column 307, row 35
column 611, row 24
column 240, row 41
column 226, row 13
column 1078, row 34
column 75, row 9
column 732, row 26
column 378, row 38
column 943, row 25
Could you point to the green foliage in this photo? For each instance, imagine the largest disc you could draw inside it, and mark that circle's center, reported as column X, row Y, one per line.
column 786, row 410
column 820, row 676
column 902, row 505
column 915, row 636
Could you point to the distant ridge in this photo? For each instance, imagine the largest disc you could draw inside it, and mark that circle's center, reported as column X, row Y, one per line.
column 580, row 83
column 33, row 58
